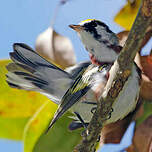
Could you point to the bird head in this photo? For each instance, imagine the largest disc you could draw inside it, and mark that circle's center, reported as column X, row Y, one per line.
column 99, row 40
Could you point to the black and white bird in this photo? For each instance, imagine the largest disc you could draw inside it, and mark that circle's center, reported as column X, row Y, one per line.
column 78, row 88
column 103, row 47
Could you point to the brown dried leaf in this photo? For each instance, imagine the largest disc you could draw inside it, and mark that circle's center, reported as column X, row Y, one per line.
column 55, row 48
column 145, row 64
column 142, row 141
column 112, row 133
column 122, row 36
column 146, row 88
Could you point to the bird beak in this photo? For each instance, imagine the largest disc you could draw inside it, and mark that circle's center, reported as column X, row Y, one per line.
column 77, row 28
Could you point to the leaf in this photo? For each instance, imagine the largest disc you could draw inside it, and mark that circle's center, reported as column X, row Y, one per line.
column 146, row 113
column 127, row 15
column 59, row 139
column 145, row 64
column 113, row 133
column 12, row 128
column 124, row 142
column 37, row 125
column 143, row 134
column 55, row 48
column 36, row 140
column 16, row 107
column 122, row 36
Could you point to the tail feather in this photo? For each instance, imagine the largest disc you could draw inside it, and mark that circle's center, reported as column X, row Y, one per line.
column 30, row 77
column 29, row 71
column 19, row 81
column 12, row 85
column 13, row 67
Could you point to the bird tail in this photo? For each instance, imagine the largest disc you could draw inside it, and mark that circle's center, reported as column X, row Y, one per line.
column 29, row 71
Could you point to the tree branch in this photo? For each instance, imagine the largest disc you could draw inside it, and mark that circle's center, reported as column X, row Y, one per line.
column 122, row 70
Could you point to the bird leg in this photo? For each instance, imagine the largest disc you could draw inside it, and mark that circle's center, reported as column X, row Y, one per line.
column 81, row 120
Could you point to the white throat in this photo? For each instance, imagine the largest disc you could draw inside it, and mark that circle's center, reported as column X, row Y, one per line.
column 97, row 48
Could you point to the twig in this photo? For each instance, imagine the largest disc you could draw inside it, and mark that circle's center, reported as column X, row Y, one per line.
column 56, row 11
column 122, row 68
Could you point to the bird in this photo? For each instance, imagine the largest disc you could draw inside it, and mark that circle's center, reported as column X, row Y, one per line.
column 103, row 47
column 78, row 88
column 75, row 88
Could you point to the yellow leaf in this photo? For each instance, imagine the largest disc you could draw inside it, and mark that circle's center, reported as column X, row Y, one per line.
column 56, row 140
column 37, row 125
column 16, row 107
column 17, row 103
column 12, row 128
column 127, row 15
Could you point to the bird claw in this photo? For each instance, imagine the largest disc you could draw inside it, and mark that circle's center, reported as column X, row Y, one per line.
column 109, row 116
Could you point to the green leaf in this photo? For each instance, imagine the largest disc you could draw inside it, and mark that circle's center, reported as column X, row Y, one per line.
column 57, row 139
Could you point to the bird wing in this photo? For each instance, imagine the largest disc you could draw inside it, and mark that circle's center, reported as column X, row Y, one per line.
column 73, row 94
column 76, row 69
column 30, row 71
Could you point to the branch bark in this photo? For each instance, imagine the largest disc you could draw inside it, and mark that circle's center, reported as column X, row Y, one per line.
column 122, row 69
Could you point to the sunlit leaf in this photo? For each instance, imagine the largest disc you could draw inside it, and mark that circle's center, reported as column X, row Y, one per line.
column 12, row 128
column 16, row 106
column 14, row 102
column 56, row 48
column 58, row 138
column 37, row 125
column 127, row 15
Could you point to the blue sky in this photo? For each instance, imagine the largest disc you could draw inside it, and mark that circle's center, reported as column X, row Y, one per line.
column 22, row 21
